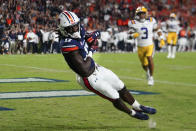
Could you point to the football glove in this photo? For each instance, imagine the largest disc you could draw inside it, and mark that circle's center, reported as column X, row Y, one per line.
column 92, row 37
column 162, row 43
column 91, row 51
column 134, row 35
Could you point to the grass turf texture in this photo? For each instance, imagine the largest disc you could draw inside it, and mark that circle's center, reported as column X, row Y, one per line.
column 174, row 80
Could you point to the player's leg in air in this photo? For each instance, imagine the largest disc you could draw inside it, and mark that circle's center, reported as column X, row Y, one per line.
column 138, row 111
column 145, row 54
column 107, row 85
column 127, row 97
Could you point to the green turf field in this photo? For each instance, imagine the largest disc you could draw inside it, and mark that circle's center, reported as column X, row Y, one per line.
column 175, row 80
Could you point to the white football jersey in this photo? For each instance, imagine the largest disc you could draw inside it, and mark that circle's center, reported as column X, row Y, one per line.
column 173, row 25
column 145, row 29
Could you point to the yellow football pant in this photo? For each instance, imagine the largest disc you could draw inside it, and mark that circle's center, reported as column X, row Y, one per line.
column 144, row 52
column 172, row 38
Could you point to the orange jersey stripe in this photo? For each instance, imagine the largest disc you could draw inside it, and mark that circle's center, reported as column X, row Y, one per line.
column 69, row 16
column 90, row 39
column 69, row 49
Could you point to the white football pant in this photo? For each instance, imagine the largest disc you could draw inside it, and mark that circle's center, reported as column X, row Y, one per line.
column 102, row 82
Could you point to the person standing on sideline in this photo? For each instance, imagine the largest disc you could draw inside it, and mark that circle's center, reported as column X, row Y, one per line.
column 13, row 37
column 45, row 40
column 76, row 49
column 172, row 37
column 20, row 39
column 32, row 39
column 182, row 41
column 55, row 42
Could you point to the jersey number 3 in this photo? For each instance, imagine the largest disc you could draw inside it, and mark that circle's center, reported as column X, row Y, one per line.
column 145, row 33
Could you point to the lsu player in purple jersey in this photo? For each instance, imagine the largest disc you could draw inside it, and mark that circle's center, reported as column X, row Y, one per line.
column 76, row 49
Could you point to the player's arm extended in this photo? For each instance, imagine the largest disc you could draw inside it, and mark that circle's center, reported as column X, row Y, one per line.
column 78, row 64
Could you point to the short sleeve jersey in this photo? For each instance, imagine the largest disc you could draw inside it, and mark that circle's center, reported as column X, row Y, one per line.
column 145, row 29
column 173, row 25
column 69, row 44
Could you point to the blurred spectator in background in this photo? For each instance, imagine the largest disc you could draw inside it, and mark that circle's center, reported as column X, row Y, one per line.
column 32, row 41
column 5, row 44
column 94, row 14
column 12, row 39
column 19, row 46
column 105, row 39
column 192, row 40
column 55, row 48
column 182, row 41
column 45, row 47
column 172, row 37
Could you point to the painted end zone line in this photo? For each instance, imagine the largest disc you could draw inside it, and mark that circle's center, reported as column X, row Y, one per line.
column 158, row 81
column 5, row 109
column 30, row 79
column 124, row 77
column 47, row 94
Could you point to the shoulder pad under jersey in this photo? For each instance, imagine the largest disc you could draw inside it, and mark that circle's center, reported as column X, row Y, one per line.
column 151, row 19
column 131, row 23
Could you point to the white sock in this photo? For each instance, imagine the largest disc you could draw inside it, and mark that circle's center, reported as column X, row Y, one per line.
column 169, row 50
column 151, row 77
column 148, row 71
column 174, row 50
column 136, row 105
column 132, row 112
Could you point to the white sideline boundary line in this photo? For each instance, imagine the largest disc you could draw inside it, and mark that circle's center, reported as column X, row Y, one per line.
column 58, row 93
column 36, row 68
column 158, row 81
column 124, row 77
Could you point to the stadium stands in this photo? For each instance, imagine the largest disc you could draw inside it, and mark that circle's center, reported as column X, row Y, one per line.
column 16, row 15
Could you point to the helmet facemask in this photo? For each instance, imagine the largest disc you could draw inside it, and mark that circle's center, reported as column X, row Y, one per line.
column 72, row 31
column 141, row 13
column 141, row 16
column 69, row 25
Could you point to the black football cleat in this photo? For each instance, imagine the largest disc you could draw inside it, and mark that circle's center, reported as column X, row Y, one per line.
column 147, row 109
column 140, row 116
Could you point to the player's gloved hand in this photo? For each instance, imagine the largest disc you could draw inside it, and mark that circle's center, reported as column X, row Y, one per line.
column 162, row 43
column 91, row 37
column 91, row 51
column 90, row 54
column 133, row 35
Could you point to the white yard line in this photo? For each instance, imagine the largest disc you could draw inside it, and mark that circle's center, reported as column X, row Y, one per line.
column 60, row 93
column 124, row 77
column 15, row 95
column 37, row 68
column 165, row 65
column 159, row 81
